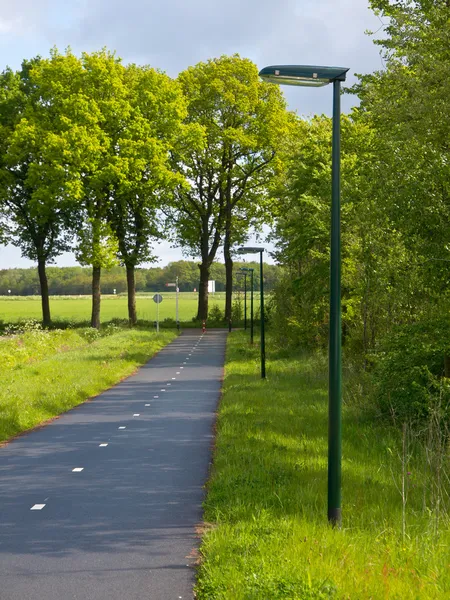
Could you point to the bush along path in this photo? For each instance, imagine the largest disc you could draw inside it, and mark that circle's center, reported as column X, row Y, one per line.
column 265, row 513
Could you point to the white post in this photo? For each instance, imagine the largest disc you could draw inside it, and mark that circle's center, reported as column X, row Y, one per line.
column 176, row 302
column 157, row 317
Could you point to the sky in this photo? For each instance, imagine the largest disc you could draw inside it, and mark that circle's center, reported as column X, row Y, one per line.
column 174, row 34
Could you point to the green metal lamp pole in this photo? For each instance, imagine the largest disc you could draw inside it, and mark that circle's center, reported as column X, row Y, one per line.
column 251, row 307
column 249, row 270
column 252, row 250
column 315, row 76
column 335, row 356
column 245, row 301
column 263, row 336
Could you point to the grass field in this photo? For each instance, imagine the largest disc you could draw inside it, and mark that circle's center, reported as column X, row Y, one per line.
column 266, row 528
column 45, row 373
column 78, row 308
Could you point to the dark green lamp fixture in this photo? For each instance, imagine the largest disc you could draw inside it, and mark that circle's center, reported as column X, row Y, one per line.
column 315, row 76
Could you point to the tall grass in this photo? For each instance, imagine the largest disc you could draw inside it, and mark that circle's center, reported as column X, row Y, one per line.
column 267, row 535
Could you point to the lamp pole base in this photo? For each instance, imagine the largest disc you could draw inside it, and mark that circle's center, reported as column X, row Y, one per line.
column 335, row 516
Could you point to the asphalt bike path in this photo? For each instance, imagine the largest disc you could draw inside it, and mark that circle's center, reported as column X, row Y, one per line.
column 103, row 503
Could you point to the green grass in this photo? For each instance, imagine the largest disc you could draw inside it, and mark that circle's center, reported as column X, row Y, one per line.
column 267, row 535
column 78, row 308
column 45, row 373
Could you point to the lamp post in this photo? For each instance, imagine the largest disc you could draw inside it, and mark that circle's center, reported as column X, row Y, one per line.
column 241, row 273
column 245, row 300
column 314, row 76
column 252, row 250
column 248, row 270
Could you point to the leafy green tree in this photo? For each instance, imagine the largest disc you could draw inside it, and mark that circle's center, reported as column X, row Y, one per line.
column 408, row 104
column 39, row 169
column 136, row 115
column 150, row 129
column 242, row 120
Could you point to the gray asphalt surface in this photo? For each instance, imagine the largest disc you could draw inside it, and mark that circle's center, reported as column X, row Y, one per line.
column 123, row 528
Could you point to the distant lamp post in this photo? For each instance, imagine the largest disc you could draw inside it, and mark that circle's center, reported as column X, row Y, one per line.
column 252, row 250
column 248, row 270
column 314, row 76
column 242, row 273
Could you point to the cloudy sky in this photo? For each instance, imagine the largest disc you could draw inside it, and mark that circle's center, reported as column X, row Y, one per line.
column 173, row 34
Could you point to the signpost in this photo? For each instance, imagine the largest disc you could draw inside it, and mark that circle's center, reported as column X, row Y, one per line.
column 177, row 289
column 158, row 299
column 176, row 303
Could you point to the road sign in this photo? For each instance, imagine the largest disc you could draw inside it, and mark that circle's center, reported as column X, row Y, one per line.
column 157, row 298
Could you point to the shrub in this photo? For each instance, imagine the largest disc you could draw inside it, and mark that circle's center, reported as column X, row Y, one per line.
column 237, row 310
column 215, row 314
column 410, row 372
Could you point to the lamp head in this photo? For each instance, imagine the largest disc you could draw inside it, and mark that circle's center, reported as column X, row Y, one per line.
column 305, row 75
column 250, row 250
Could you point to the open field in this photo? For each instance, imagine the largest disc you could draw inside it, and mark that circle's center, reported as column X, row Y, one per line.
column 78, row 308
column 45, row 373
column 267, row 535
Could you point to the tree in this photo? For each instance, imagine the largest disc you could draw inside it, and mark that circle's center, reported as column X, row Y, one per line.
column 408, row 104
column 243, row 121
column 151, row 128
column 39, row 170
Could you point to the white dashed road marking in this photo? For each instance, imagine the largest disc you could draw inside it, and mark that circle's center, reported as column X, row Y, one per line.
column 136, row 415
column 37, row 507
column 102, row 445
column 77, row 469
column 122, row 427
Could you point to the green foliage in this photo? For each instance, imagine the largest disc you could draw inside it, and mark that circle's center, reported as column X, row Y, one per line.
column 237, row 312
column 39, row 177
column 410, row 374
column 242, row 121
column 215, row 314
column 395, row 210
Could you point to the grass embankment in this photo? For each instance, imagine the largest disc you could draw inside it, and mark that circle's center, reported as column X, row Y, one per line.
column 267, row 497
column 45, row 373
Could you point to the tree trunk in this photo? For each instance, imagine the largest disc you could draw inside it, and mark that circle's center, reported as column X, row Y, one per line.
column 228, row 273
column 96, row 297
column 202, row 313
column 46, row 320
column 131, row 287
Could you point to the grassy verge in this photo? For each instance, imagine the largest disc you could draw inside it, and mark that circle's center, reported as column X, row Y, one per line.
column 266, row 505
column 45, row 373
